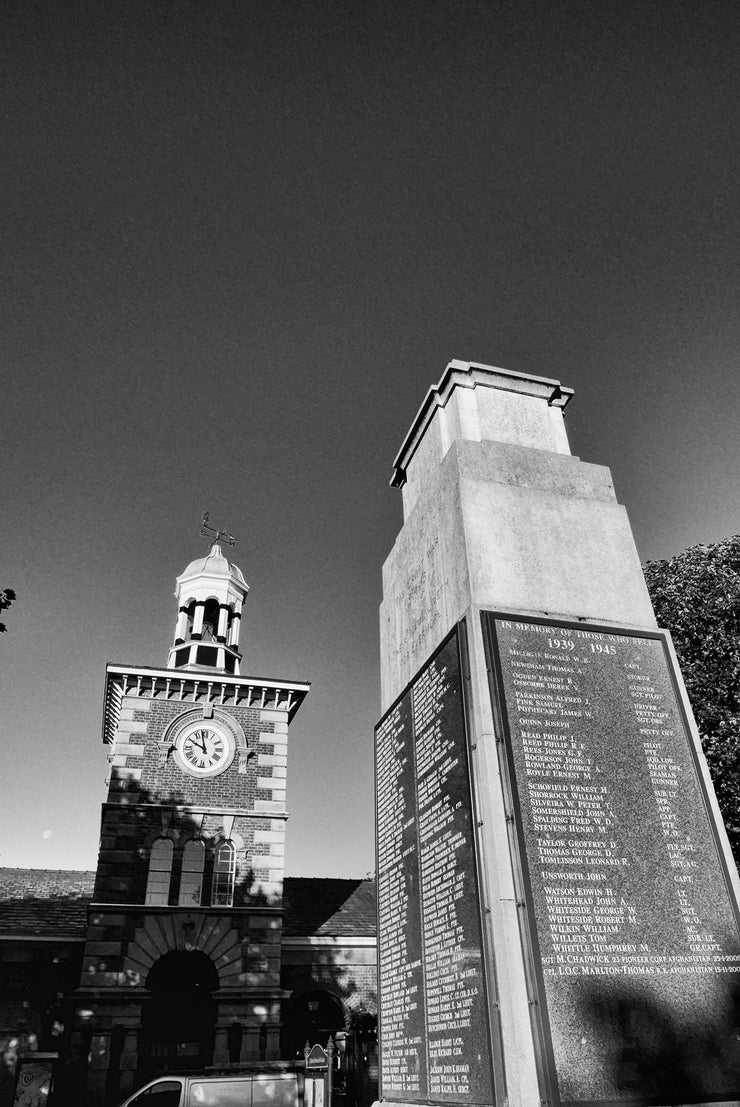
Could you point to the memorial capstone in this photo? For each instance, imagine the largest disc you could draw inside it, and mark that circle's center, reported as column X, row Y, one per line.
column 558, row 903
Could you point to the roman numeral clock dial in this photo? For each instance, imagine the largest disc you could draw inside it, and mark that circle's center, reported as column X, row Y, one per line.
column 204, row 750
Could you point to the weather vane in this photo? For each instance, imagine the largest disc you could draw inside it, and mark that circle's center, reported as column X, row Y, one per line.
column 215, row 535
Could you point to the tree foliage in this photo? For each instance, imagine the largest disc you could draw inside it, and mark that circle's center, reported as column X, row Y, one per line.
column 696, row 596
column 7, row 595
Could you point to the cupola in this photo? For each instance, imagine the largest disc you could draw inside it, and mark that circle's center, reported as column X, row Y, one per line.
column 210, row 596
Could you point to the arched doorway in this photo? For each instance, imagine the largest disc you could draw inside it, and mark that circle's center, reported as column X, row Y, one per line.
column 178, row 1021
column 316, row 1016
column 313, row 1017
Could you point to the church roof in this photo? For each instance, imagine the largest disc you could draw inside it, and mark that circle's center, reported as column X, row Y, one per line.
column 327, row 907
column 52, row 903
column 44, row 903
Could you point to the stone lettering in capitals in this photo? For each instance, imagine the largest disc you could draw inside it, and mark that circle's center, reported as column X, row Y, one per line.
column 434, row 1037
column 630, row 902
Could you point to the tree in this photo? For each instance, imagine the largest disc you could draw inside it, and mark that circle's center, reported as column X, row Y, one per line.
column 7, row 595
column 696, row 596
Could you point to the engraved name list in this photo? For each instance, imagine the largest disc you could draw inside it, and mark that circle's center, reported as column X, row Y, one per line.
column 433, row 1023
column 631, row 912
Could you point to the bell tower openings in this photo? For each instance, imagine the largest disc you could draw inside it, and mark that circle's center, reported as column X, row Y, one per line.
column 210, row 596
column 190, row 870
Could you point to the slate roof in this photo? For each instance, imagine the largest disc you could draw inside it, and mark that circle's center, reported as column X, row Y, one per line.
column 328, row 907
column 37, row 903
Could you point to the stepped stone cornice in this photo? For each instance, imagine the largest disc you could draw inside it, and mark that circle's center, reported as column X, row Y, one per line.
column 190, row 686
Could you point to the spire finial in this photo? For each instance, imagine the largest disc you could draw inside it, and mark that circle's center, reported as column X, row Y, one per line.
column 213, row 534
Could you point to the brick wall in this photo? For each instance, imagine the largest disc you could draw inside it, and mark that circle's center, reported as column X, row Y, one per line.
column 151, row 796
column 348, row 972
column 137, row 763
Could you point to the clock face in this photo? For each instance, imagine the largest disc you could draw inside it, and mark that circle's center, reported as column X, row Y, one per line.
column 204, row 750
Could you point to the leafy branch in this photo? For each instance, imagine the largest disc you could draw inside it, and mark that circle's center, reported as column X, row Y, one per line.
column 7, row 595
column 696, row 595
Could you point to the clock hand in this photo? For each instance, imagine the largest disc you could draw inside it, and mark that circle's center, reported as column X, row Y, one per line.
column 193, row 744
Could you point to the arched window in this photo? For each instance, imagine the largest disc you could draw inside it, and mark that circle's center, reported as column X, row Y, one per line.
column 224, row 874
column 190, row 619
column 191, row 879
column 160, row 871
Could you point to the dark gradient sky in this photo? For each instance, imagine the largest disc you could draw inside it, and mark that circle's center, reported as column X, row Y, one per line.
column 241, row 240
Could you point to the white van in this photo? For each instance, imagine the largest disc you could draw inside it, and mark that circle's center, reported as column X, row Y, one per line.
column 248, row 1090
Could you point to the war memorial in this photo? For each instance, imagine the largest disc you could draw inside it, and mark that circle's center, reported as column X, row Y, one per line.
column 558, row 906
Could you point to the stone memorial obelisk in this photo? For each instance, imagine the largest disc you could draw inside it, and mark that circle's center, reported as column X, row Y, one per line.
column 558, row 906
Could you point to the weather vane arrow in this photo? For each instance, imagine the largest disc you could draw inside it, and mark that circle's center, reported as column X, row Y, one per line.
column 213, row 534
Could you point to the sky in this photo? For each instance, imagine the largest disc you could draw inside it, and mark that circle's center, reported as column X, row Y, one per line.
column 240, row 242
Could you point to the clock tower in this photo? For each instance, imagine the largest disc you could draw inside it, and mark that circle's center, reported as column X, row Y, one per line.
column 181, row 967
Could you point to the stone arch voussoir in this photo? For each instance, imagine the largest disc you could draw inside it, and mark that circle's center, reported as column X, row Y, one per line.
column 161, row 934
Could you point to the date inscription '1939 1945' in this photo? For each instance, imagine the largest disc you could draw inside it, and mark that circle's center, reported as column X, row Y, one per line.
column 634, row 924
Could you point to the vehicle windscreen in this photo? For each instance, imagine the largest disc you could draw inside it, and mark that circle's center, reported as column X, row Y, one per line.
column 166, row 1093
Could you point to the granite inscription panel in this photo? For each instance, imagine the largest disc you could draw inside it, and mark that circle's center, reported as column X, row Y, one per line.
column 633, row 925
column 434, row 1037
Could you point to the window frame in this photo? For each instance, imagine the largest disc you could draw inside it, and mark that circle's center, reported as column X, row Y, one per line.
column 159, row 876
column 223, row 878
column 191, row 877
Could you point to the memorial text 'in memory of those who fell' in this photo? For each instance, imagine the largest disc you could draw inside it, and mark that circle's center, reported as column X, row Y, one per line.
column 633, row 925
